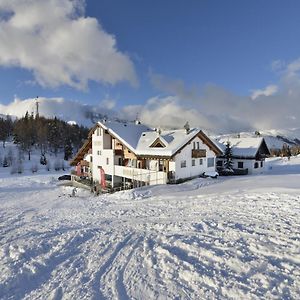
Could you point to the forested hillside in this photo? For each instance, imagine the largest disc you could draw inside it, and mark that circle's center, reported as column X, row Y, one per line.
column 42, row 134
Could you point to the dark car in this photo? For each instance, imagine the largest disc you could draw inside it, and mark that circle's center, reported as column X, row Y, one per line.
column 64, row 177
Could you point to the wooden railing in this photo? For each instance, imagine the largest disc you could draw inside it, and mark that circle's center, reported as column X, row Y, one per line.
column 198, row 153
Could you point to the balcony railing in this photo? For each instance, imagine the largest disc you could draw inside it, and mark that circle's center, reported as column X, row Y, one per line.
column 198, row 153
column 148, row 176
column 119, row 152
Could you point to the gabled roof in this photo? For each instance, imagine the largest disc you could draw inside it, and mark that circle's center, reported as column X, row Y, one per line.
column 173, row 140
column 245, row 147
column 139, row 138
column 127, row 133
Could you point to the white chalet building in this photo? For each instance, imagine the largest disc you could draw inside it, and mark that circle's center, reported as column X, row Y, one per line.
column 134, row 154
column 248, row 154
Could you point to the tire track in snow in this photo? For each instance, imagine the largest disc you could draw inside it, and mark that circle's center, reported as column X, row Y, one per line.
column 120, row 287
column 106, row 266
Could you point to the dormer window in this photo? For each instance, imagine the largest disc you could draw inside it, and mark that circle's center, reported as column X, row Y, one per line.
column 158, row 144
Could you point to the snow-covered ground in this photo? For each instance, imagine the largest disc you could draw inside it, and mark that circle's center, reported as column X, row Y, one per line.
column 225, row 238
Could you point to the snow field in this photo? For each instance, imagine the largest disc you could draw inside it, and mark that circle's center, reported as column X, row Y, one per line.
column 232, row 238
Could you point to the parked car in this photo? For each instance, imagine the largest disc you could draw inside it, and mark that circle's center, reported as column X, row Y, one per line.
column 64, row 177
column 212, row 174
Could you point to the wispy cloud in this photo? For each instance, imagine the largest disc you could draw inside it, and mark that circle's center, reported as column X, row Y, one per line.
column 267, row 91
column 54, row 40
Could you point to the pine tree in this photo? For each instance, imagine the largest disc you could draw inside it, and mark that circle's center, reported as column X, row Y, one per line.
column 24, row 133
column 68, row 150
column 6, row 128
column 288, row 152
column 228, row 157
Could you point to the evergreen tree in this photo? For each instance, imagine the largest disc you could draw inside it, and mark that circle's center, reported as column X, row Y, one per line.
column 41, row 133
column 24, row 133
column 228, row 157
column 6, row 127
column 68, row 150
column 288, row 152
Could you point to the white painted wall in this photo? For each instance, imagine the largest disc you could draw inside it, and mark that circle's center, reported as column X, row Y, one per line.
column 248, row 164
column 186, row 154
column 101, row 159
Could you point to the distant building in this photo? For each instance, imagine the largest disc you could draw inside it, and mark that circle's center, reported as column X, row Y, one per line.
column 135, row 155
column 248, row 154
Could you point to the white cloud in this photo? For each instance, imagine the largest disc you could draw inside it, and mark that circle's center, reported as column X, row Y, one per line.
column 108, row 104
column 267, row 91
column 220, row 110
column 54, row 40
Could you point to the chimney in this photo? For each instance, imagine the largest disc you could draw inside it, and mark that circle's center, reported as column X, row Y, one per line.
column 187, row 127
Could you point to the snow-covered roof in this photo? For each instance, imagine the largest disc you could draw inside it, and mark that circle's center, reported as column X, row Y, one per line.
column 139, row 138
column 172, row 139
column 242, row 147
column 127, row 133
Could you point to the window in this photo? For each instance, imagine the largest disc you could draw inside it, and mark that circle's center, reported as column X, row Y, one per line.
column 256, row 165
column 107, row 160
column 193, row 162
column 198, row 145
column 210, row 162
column 91, row 158
column 261, row 164
column 194, row 145
column 160, row 165
column 99, row 152
column 219, row 163
column 201, row 161
column 240, row 165
column 183, row 164
column 98, row 131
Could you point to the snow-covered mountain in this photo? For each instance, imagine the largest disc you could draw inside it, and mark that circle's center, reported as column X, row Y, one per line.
column 67, row 110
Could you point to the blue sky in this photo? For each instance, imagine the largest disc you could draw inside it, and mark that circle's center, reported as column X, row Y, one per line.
column 233, row 45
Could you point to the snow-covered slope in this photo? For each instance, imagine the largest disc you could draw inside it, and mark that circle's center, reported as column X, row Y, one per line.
column 225, row 238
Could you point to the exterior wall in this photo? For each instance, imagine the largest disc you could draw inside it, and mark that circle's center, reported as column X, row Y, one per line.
column 186, row 154
column 100, row 154
column 247, row 164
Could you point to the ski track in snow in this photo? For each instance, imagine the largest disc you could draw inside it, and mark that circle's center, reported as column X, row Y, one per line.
column 199, row 240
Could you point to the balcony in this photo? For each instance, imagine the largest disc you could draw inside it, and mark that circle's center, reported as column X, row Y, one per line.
column 198, row 153
column 148, row 176
column 119, row 152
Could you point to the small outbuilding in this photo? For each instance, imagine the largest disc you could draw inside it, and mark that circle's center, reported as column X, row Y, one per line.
column 247, row 154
